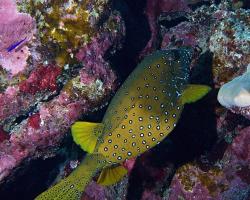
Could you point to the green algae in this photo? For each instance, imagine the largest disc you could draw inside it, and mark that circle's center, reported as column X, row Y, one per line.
column 64, row 26
column 189, row 178
column 186, row 178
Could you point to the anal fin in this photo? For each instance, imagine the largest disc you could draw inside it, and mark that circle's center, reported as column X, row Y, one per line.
column 111, row 175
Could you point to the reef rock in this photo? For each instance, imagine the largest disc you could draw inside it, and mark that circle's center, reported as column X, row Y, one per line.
column 38, row 110
column 62, row 71
column 227, row 178
column 230, row 43
column 14, row 27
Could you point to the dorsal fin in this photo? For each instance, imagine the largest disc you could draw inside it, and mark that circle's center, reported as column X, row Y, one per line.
column 86, row 134
column 111, row 175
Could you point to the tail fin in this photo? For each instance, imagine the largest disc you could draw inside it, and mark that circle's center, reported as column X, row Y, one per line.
column 73, row 186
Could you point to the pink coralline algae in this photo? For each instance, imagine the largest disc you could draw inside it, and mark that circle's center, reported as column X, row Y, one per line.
column 230, row 43
column 226, row 179
column 92, row 57
column 18, row 100
column 184, row 32
column 153, row 11
column 60, row 73
column 14, row 27
column 43, row 121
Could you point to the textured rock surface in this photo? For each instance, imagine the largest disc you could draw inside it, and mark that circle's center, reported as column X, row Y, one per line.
column 227, row 178
column 65, row 74
column 38, row 111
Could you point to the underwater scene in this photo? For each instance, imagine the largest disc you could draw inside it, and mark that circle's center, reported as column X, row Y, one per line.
column 124, row 99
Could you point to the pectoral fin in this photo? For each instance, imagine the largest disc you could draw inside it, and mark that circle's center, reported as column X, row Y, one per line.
column 86, row 134
column 111, row 175
column 193, row 93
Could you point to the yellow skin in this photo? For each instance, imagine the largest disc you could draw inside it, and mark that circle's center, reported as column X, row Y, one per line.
column 145, row 109
column 142, row 113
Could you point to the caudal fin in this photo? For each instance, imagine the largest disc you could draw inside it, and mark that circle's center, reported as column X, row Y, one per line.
column 72, row 187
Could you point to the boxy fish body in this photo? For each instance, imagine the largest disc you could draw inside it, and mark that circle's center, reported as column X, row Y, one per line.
column 146, row 108
column 141, row 114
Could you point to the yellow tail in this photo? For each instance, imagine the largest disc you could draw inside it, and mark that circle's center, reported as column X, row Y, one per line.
column 72, row 187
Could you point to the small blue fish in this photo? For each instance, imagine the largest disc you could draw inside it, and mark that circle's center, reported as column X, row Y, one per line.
column 13, row 46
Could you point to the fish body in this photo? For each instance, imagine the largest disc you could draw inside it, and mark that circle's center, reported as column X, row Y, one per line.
column 141, row 114
column 146, row 108
column 15, row 45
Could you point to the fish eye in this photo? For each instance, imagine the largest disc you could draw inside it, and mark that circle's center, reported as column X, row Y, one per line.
column 173, row 56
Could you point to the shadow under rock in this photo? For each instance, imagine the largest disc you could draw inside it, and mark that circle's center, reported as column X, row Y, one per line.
column 30, row 180
column 137, row 35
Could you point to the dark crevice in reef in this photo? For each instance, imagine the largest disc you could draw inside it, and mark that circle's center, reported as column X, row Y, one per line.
column 201, row 3
column 28, row 179
column 246, row 4
column 24, row 116
column 169, row 21
column 194, row 135
column 35, row 176
column 137, row 36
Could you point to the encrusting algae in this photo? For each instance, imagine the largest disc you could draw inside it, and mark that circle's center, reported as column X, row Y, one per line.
column 64, row 26
column 143, row 112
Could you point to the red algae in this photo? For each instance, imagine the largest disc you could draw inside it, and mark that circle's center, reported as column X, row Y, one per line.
column 43, row 78
column 34, row 121
column 3, row 135
column 42, row 131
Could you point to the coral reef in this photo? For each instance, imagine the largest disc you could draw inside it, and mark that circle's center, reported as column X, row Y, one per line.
column 55, row 68
column 153, row 11
column 230, row 42
column 38, row 111
column 228, row 178
column 14, row 27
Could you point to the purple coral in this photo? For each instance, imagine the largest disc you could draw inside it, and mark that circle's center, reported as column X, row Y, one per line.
column 153, row 11
column 227, row 179
column 47, row 125
column 14, row 27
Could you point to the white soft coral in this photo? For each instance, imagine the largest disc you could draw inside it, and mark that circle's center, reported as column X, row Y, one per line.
column 236, row 93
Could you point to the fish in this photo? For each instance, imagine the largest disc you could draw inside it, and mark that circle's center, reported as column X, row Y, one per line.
column 145, row 109
column 15, row 45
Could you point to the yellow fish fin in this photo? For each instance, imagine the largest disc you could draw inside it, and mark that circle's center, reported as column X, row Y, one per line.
column 86, row 134
column 111, row 175
column 193, row 93
column 73, row 186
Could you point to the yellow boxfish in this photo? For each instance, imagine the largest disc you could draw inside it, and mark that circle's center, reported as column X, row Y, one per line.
column 141, row 114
